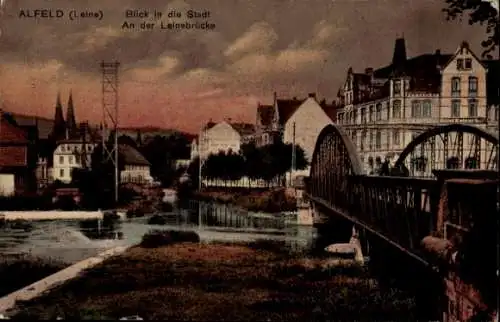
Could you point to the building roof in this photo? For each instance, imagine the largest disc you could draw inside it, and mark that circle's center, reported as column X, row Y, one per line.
column 13, row 156
column 287, row 107
column 10, row 133
column 243, row 128
column 131, row 156
column 265, row 113
column 43, row 124
column 330, row 110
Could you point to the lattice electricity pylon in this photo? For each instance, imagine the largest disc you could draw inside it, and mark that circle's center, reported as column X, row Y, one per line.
column 110, row 116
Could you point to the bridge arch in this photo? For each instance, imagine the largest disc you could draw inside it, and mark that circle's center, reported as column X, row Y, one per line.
column 453, row 146
column 334, row 159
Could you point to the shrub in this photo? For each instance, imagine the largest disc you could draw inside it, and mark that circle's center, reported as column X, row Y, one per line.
column 134, row 213
column 158, row 238
column 157, row 220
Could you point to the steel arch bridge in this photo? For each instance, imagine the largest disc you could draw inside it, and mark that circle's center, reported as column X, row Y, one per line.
column 454, row 146
column 401, row 210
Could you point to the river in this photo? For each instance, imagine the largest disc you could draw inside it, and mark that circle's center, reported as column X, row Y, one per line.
column 71, row 241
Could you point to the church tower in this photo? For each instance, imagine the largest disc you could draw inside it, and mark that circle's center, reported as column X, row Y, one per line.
column 59, row 128
column 70, row 118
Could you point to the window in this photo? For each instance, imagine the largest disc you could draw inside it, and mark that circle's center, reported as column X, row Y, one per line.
column 388, row 110
column 62, row 148
column 378, row 111
column 354, row 137
column 396, row 109
column 354, row 116
column 460, row 64
column 370, row 143
column 341, row 117
column 363, row 115
column 415, row 109
column 455, row 86
column 70, row 159
column 388, row 141
column 78, row 159
column 473, row 86
column 397, row 87
column 61, row 159
column 468, row 63
column 363, row 139
column 370, row 114
column 396, row 138
column 455, row 108
column 472, row 108
column 61, row 173
column 427, row 110
column 378, row 140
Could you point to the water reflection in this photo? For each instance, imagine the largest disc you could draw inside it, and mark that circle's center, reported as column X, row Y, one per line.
column 72, row 241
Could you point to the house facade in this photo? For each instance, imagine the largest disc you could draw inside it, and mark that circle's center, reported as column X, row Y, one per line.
column 136, row 169
column 385, row 109
column 16, row 172
column 223, row 136
column 68, row 155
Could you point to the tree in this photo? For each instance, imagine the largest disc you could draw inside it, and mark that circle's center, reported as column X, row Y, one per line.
column 252, row 158
column 162, row 152
column 480, row 12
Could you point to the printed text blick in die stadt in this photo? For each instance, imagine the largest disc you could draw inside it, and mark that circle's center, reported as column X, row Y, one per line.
column 135, row 19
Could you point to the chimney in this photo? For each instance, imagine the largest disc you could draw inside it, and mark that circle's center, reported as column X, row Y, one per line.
column 312, row 95
column 369, row 71
column 294, row 98
column 438, row 52
column 275, row 97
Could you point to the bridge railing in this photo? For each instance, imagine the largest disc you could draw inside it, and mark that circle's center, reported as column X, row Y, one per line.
column 402, row 209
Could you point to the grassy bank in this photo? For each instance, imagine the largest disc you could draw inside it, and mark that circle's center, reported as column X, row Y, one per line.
column 18, row 271
column 270, row 201
column 214, row 282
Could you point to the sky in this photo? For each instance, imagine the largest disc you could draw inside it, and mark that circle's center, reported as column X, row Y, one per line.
column 184, row 78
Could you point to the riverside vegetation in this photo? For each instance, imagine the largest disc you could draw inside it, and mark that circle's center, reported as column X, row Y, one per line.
column 172, row 276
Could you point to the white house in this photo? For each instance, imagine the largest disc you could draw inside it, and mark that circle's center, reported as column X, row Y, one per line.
column 294, row 120
column 223, row 136
column 68, row 155
column 136, row 169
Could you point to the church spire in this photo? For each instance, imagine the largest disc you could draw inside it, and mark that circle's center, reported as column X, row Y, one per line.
column 70, row 117
column 399, row 55
column 58, row 131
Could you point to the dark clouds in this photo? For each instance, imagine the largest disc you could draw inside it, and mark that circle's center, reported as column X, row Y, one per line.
column 292, row 46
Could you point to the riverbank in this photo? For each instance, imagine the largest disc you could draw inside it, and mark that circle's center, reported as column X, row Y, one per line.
column 17, row 271
column 269, row 201
column 213, row 282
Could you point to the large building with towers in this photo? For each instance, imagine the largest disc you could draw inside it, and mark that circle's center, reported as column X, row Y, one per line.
column 384, row 109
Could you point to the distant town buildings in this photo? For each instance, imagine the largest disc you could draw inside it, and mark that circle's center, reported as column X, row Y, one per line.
column 384, row 109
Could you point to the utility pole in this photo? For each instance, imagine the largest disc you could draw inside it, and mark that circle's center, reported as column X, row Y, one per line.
column 110, row 117
column 294, row 165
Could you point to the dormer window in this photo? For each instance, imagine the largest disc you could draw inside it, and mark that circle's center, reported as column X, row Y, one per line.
column 62, row 148
column 460, row 64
